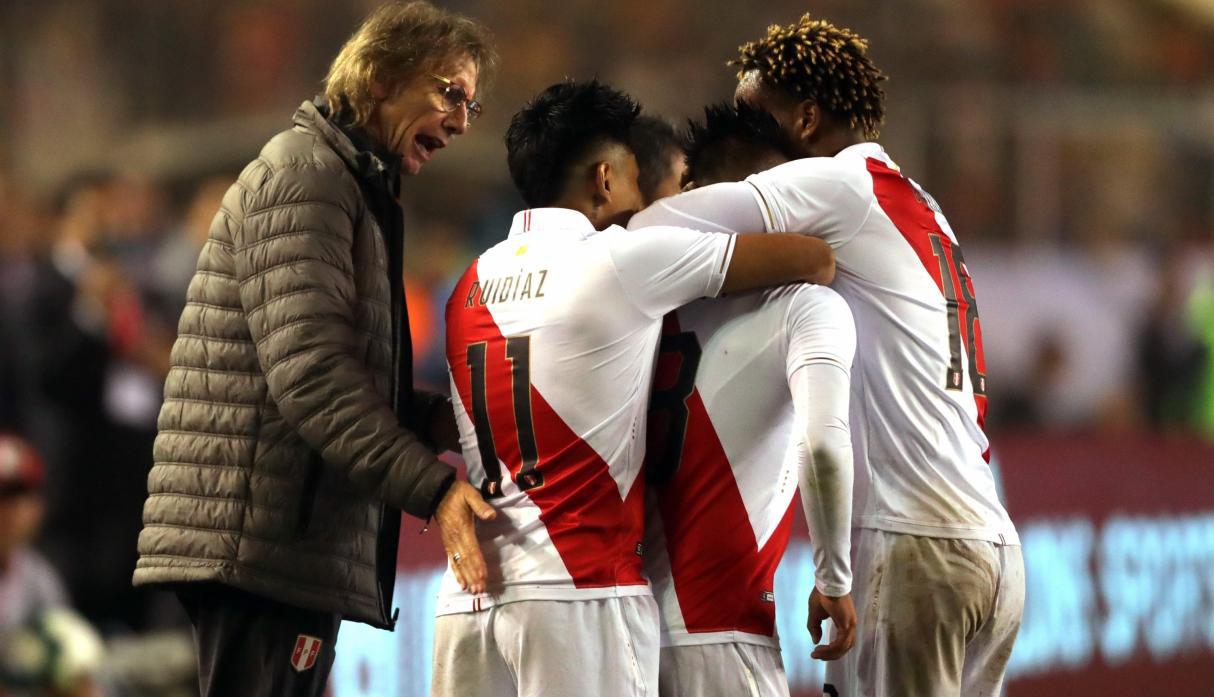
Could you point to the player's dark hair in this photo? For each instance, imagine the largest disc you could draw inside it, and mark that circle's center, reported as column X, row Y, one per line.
column 813, row 59
column 729, row 133
column 557, row 129
column 654, row 141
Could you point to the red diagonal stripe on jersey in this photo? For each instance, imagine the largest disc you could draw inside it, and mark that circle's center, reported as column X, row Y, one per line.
column 595, row 531
column 916, row 221
column 720, row 574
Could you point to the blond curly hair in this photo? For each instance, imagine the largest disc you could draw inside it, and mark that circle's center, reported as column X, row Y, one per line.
column 813, row 59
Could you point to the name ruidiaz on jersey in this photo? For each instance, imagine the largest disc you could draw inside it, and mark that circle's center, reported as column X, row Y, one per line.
column 507, row 288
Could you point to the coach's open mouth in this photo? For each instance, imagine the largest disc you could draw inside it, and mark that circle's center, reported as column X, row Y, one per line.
column 427, row 145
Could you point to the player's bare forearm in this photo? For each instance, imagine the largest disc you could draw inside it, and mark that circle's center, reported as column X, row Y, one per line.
column 760, row 261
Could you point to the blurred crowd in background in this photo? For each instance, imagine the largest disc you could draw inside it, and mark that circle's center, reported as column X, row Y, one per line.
column 1071, row 144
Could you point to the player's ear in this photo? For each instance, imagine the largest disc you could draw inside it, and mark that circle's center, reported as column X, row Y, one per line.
column 379, row 91
column 809, row 120
column 601, row 182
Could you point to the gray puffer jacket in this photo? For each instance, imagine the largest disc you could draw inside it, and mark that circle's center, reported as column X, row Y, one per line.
column 278, row 447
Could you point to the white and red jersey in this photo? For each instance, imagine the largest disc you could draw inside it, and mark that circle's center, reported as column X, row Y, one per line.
column 552, row 336
column 919, row 388
column 723, row 458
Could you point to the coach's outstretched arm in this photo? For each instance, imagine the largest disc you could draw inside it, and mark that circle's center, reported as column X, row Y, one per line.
column 760, row 261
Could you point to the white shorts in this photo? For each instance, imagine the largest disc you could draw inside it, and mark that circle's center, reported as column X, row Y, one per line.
column 722, row 670
column 552, row 648
column 936, row 617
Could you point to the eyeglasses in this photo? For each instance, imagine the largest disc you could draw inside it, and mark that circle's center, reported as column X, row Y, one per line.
column 454, row 96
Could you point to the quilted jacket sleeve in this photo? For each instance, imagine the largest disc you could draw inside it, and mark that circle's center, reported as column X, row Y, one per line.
column 296, row 274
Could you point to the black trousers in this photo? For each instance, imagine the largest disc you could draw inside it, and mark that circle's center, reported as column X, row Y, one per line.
column 250, row 646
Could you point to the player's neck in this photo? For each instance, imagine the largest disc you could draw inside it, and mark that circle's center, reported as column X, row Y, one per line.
column 600, row 216
column 833, row 142
column 576, row 203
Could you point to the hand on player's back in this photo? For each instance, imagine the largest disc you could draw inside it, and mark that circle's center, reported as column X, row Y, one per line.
column 456, row 517
column 842, row 613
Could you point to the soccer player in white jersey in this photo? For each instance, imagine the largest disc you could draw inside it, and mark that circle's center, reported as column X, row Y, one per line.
column 552, row 337
column 938, row 575
column 750, row 400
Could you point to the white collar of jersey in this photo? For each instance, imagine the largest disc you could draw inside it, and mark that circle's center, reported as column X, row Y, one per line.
column 558, row 219
column 865, row 149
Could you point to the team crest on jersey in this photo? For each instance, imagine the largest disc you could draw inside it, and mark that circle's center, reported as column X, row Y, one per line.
column 307, row 649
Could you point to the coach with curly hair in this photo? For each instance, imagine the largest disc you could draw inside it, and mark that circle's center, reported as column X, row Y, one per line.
column 290, row 436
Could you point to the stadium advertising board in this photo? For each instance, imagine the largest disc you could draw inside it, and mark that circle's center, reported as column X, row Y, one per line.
column 1118, row 538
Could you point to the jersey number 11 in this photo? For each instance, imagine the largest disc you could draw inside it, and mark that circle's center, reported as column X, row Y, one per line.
column 518, row 354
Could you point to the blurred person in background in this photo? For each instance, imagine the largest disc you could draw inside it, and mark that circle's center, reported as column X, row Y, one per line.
column 54, row 654
column 1172, row 350
column 88, row 367
column 17, row 221
column 661, row 158
column 291, row 437
column 177, row 257
column 45, row 650
column 433, row 266
column 65, row 354
column 139, row 334
column 1029, row 403
column 28, row 583
column 1201, row 317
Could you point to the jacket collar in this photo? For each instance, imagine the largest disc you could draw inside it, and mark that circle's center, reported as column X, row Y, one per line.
column 551, row 219
column 368, row 160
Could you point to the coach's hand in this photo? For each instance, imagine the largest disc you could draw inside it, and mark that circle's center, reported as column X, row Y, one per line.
column 842, row 613
column 456, row 516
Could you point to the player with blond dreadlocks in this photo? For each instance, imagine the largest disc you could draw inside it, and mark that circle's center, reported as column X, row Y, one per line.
column 938, row 578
